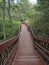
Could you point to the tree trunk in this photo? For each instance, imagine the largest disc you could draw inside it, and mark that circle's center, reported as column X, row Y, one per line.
column 4, row 33
column 12, row 28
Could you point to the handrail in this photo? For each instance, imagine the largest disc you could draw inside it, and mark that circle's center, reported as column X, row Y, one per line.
column 7, row 44
column 39, row 38
column 41, row 45
column 8, row 50
column 36, row 37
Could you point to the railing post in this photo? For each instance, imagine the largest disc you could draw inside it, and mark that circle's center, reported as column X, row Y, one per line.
column 8, row 50
column 1, row 61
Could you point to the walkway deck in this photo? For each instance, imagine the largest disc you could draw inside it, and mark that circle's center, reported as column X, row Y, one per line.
column 26, row 54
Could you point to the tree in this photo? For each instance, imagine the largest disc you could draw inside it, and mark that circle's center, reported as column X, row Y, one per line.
column 40, row 18
column 4, row 32
column 12, row 28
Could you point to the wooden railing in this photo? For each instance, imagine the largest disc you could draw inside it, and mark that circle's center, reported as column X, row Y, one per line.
column 8, row 50
column 41, row 45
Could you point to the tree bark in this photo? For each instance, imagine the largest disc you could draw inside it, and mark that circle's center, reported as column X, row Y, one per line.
column 12, row 28
column 4, row 32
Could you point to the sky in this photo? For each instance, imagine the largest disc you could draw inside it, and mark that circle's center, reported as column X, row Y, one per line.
column 31, row 1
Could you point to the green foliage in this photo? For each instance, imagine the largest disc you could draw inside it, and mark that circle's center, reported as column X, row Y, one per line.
column 8, row 29
column 7, row 21
column 1, row 1
column 37, row 15
column 40, row 19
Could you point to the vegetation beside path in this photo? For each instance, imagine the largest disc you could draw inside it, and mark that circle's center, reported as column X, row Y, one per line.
column 12, row 14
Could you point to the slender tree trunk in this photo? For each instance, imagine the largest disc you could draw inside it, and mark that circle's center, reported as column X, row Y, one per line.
column 4, row 33
column 12, row 28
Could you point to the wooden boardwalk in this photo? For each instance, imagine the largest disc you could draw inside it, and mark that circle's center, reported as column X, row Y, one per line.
column 26, row 54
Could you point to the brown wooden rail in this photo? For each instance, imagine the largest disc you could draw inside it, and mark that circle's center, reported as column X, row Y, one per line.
column 8, row 50
column 41, row 45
